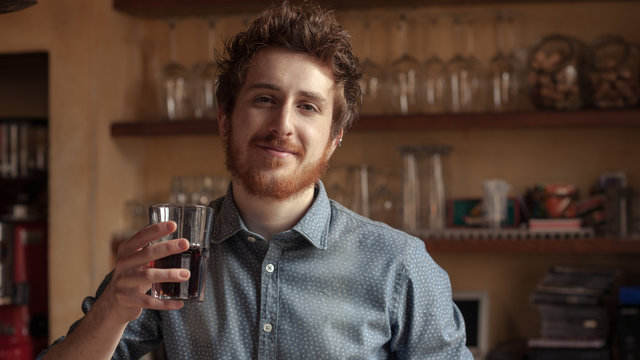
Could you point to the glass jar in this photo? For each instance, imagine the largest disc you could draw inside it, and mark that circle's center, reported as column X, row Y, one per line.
column 615, row 73
column 557, row 73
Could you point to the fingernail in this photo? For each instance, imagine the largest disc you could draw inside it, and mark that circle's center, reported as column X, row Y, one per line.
column 184, row 273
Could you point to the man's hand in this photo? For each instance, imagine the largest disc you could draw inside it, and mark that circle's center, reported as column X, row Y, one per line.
column 132, row 275
column 98, row 334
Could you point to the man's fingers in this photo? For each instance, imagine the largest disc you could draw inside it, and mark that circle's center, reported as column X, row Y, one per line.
column 153, row 275
column 146, row 235
column 141, row 300
column 151, row 253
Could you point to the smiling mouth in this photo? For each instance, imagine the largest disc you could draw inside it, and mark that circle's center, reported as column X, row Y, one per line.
column 277, row 151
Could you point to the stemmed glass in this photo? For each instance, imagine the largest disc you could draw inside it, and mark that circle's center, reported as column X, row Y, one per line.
column 433, row 78
column 373, row 100
column 502, row 69
column 204, row 80
column 404, row 76
column 174, row 82
column 464, row 77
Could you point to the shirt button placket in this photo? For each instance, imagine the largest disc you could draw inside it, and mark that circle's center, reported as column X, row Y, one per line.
column 269, row 314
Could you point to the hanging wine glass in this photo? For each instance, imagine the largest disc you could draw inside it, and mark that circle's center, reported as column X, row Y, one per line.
column 204, row 81
column 463, row 71
column 371, row 83
column 404, row 75
column 432, row 84
column 502, row 70
column 173, row 83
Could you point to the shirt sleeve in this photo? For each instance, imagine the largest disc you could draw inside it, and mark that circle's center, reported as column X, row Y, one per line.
column 140, row 337
column 426, row 322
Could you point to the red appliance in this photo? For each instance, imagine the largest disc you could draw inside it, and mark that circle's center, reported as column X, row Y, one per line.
column 23, row 288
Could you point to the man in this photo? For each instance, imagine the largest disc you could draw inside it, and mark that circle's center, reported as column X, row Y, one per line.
column 292, row 274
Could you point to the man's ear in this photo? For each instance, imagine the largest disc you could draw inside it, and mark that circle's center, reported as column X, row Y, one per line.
column 223, row 123
column 337, row 141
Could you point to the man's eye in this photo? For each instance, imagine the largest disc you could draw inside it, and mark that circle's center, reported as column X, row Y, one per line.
column 263, row 99
column 308, row 107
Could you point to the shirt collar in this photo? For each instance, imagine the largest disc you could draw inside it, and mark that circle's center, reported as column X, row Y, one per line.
column 313, row 226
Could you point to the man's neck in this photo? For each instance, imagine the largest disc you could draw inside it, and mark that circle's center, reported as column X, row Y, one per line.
column 267, row 216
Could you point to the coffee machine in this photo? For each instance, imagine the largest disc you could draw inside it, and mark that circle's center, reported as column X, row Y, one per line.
column 23, row 239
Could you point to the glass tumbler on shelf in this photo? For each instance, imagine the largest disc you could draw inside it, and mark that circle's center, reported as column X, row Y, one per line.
column 385, row 196
column 502, row 72
column 433, row 206
column 424, row 201
column 372, row 82
column 174, row 94
column 433, row 79
column 404, row 74
column 349, row 185
column 464, row 73
column 203, row 80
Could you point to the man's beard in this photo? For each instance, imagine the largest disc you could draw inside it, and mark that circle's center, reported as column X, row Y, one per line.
column 282, row 187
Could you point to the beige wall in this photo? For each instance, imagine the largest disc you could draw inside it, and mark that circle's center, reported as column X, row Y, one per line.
column 102, row 67
column 94, row 63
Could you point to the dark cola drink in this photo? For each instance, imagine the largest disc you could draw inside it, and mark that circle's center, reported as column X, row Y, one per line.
column 194, row 259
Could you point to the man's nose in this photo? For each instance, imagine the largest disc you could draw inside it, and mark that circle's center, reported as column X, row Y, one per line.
column 282, row 121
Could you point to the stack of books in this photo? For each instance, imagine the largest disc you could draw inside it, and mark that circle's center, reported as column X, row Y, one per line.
column 575, row 314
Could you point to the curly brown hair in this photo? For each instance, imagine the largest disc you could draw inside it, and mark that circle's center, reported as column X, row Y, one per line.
column 304, row 27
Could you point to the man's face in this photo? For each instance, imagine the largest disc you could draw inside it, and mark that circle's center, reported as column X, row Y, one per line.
column 278, row 137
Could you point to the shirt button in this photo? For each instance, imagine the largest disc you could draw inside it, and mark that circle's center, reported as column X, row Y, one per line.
column 270, row 268
column 251, row 239
column 267, row 327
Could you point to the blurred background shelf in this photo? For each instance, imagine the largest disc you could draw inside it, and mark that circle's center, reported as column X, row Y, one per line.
column 172, row 8
column 595, row 245
column 533, row 119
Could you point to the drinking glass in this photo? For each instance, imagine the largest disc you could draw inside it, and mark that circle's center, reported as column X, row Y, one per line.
column 432, row 179
column 197, row 189
column 433, row 79
column 410, row 188
column 204, row 80
column 373, row 99
column 194, row 224
column 385, row 195
column 424, row 188
column 464, row 77
column 404, row 75
column 502, row 74
column 349, row 185
column 174, row 82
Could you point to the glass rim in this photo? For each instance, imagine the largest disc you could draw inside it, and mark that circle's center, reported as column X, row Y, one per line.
column 167, row 205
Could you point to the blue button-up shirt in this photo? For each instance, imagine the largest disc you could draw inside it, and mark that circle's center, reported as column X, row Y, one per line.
column 335, row 286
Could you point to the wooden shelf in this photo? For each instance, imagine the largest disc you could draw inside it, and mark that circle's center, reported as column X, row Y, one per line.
column 597, row 245
column 164, row 128
column 521, row 120
column 173, row 8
